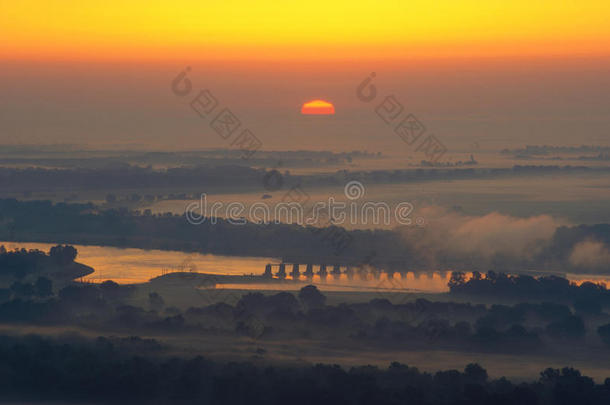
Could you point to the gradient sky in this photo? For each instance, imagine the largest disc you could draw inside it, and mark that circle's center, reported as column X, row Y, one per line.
column 495, row 72
column 316, row 28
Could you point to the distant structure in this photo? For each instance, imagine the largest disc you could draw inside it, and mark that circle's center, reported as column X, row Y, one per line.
column 295, row 273
column 339, row 268
column 282, row 272
column 268, row 272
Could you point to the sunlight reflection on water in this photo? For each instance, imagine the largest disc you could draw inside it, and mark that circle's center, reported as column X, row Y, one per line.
column 131, row 265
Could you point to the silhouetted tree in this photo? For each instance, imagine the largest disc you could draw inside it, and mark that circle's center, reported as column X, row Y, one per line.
column 155, row 301
column 63, row 254
column 457, row 280
column 43, row 287
column 570, row 327
column 22, row 289
column 475, row 373
column 311, row 297
column 604, row 333
column 588, row 305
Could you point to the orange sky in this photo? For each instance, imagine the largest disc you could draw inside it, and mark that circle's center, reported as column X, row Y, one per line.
column 233, row 29
column 498, row 73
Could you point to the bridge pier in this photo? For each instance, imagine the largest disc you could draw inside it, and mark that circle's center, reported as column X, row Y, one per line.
column 295, row 273
column 282, row 272
column 268, row 272
column 363, row 272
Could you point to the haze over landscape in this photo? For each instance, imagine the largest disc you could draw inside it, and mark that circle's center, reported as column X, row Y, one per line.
column 343, row 203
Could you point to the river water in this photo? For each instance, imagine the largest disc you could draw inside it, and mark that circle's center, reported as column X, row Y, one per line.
column 129, row 265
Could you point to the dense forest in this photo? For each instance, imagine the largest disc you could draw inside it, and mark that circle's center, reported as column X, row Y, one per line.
column 129, row 370
column 33, row 272
column 43, row 221
column 70, row 156
column 520, row 286
column 530, row 325
column 212, row 176
column 549, row 317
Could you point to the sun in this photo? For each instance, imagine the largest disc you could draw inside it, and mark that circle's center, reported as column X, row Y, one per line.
column 318, row 107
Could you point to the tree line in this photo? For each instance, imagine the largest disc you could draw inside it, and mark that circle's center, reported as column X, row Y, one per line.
column 129, row 370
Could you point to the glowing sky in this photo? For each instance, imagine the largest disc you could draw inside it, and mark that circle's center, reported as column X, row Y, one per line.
column 200, row 29
column 498, row 73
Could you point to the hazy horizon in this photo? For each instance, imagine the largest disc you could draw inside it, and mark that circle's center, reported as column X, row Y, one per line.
column 322, row 202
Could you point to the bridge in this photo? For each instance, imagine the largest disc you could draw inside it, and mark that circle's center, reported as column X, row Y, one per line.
column 335, row 267
column 285, row 269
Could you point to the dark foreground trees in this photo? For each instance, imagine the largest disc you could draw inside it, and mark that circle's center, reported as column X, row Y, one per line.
column 134, row 370
column 587, row 298
column 43, row 221
column 378, row 324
